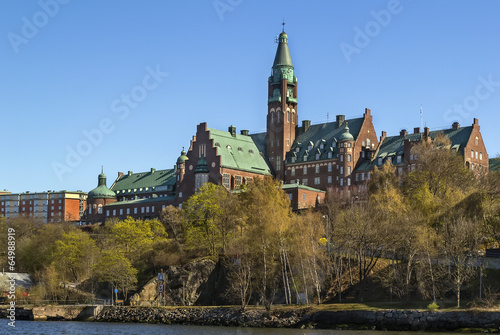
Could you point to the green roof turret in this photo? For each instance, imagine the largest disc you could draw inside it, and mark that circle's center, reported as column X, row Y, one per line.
column 101, row 191
column 283, row 66
column 201, row 166
column 283, row 57
column 182, row 158
column 346, row 135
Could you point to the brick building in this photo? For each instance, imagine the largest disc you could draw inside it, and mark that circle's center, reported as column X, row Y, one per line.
column 50, row 206
column 310, row 159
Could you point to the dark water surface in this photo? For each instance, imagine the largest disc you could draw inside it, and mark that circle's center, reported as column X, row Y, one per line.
column 93, row 328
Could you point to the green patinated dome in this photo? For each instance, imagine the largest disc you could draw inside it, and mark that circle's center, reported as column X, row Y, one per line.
column 182, row 158
column 102, row 191
column 346, row 135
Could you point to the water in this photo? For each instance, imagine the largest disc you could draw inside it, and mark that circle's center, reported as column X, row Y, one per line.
column 94, row 328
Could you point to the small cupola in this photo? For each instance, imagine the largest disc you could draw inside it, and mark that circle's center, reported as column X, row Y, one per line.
column 182, row 158
column 346, row 135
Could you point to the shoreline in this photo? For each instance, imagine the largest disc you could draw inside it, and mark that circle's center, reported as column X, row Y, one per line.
column 301, row 317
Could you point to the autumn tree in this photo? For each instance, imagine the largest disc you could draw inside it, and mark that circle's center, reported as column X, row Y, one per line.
column 115, row 268
column 266, row 212
column 74, row 255
column 211, row 216
column 171, row 217
column 135, row 236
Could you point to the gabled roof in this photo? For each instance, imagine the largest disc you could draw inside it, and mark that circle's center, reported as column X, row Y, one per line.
column 326, row 133
column 145, row 182
column 393, row 146
column 238, row 152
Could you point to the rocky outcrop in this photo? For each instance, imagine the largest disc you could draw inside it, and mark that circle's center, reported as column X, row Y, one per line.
column 303, row 317
column 183, row 285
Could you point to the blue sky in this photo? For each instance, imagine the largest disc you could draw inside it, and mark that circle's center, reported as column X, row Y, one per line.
column 123, row 84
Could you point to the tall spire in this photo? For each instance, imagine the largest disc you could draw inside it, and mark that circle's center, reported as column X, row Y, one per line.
column 283, row 57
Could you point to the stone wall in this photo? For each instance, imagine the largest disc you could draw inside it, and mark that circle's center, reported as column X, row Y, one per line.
column 304, row 317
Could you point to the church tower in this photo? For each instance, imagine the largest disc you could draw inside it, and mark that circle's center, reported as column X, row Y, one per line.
column 281, row 107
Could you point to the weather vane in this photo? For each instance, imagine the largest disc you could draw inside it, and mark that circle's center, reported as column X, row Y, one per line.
column 283, row 24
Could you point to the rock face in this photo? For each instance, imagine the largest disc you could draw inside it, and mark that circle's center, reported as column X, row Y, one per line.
column 196, row 283
column 303, row 317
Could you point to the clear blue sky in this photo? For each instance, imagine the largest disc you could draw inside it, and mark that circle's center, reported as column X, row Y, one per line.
column 67, row 69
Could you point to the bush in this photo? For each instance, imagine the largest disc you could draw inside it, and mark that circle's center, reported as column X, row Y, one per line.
column 433, row 306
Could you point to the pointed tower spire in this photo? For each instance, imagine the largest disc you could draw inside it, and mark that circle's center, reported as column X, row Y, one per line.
column 282, row 116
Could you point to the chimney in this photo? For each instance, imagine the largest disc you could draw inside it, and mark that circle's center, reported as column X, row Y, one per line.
column 244, row 132
column 476, row 122
column 120, row 174
column 384, row 135
column 416, row 130
column 455, row 125
column 153, row 170
column 130, row 173
column 426, row 131
column 367, row 111
column 340, row 120
column 305, row 125
column 403, row 133
column 232, row 130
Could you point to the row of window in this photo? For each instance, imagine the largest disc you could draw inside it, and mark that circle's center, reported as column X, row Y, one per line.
column 317, row 169
column 26, row 196
column 278, row 117
column 310, row 146
column 476, row 155
column 144, row 210
column 238, row 180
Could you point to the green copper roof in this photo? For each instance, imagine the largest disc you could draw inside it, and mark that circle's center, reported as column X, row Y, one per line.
column 346, row 135
column 321, row 139
column 494, row 164
column 142, row 201
column 283, row 54
column 300, row 186
column 101, row 191
column 394, row 145
column 238, row 152
column 145, row 182
column 201, row 166
column 182, row 158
